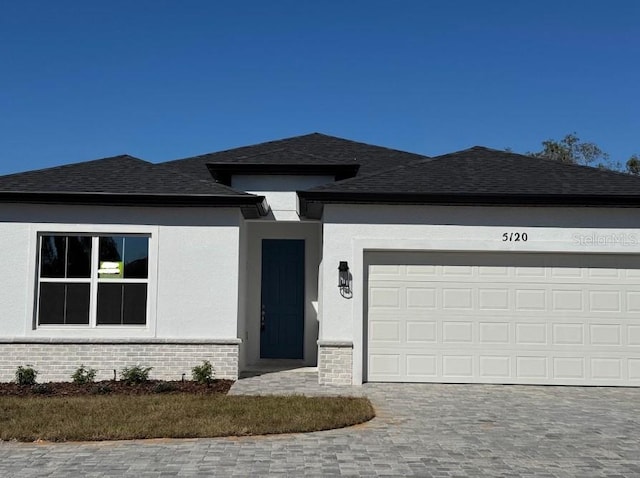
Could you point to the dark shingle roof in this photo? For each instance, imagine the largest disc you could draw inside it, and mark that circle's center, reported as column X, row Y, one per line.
column 474, row 176
column 310, row 149
column 121, row 180
column 481, row 175
column 116, row 175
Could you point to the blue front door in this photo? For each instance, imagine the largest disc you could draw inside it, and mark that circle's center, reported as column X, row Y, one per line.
column 282, row 313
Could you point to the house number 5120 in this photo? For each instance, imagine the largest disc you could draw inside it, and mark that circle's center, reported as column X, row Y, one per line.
column 514, row 237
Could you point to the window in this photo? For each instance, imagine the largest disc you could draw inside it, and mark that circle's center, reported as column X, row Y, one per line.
column 93, row 280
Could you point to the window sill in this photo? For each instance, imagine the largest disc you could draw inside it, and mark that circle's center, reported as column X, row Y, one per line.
column 118, row 340
column 56, row 332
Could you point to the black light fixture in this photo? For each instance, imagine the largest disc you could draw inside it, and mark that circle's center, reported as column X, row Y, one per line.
column 344, row 279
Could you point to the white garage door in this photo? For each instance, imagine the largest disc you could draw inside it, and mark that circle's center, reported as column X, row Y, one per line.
column 503, row 318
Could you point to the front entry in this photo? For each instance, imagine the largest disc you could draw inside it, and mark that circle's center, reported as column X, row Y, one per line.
column 282, row 309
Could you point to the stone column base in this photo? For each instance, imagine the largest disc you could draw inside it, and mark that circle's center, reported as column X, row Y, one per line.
column 335, row 362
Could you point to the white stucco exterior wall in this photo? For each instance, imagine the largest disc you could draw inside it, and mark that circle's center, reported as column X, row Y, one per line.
column 15, row 283
column 193, row 268
column 350, row 231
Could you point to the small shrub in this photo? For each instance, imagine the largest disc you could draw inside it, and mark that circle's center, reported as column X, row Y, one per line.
column 135, row 375
column 101, row 390
column 203, row 373
column 26, row 375
column 41, row 389
column 164, row 387
column 84, row 375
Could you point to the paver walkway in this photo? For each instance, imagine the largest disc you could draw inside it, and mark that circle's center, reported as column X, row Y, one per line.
column 421, row 430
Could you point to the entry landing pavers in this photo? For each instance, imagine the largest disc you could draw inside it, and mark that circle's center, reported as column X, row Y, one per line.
column 287, row 382
column 428, row 430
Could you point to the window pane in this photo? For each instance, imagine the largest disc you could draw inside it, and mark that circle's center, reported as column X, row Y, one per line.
column 109, row 304
column 79, row 257
column 110, row 257
column 77, row 304
column 52, row 256
column 135, row 304
column 51, row 309
column 136, row 257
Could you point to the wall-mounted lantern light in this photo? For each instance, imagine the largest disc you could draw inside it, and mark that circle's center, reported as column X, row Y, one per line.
column 344, row 279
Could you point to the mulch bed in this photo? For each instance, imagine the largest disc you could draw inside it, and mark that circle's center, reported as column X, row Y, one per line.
column 111, row 387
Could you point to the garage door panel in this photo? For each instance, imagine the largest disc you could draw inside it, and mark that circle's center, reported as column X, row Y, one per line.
column 634, row 369
column 529, row 318
column 457, row 298
column 457, row 332
column 567, row 300
column 385, row 364
column 567, row 334
column 530, row 272
column 606, row 368
column 532, row 367
column 423, row 331
column 604, row 273
column 533, row 333
column 385, row 331
column 534, row 299
column 456, row 272
column 567, row 273
column 495, row 366
column 385, row 297
column 632, row 301
column 421, row 297
column 424, row 271
column 497, row 298
column 494, row 273
column 633, row 335
column 571, row 368
column 494, row 333
column 605, row 334
column 605, row 300
column 457, row 365
column 422, row 365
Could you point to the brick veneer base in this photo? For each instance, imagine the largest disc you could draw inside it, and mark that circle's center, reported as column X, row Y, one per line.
column 56, row 361
column 335, row 362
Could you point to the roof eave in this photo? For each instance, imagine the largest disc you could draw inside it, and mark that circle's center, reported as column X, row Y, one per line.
column 311, row 202
column 251, row 205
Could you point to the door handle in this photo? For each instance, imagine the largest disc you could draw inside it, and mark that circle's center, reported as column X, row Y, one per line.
column 262, row 319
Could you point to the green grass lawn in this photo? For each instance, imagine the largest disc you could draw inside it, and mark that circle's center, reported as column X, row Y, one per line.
column 124, row 417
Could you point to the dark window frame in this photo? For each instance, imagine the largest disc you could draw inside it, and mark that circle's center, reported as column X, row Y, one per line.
column 134, row 300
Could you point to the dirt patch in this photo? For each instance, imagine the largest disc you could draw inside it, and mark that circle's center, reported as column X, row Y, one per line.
column 113, row 387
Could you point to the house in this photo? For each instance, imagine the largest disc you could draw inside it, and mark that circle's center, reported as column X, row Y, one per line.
column 480, row 266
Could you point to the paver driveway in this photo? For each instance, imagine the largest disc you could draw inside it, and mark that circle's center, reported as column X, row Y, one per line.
column 421, row 430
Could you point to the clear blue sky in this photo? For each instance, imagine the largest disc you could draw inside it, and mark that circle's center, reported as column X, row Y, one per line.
column 166, row 79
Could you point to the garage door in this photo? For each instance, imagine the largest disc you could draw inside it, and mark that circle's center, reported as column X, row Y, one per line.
column 503, row 318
